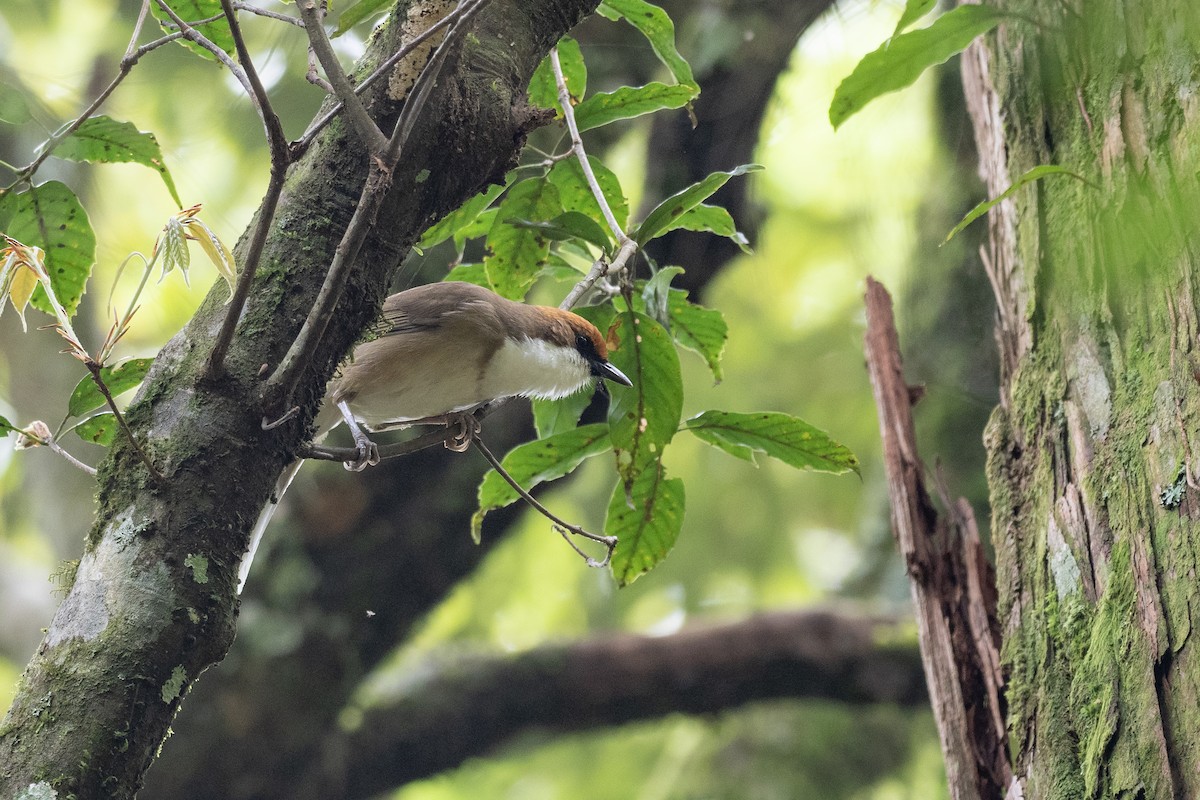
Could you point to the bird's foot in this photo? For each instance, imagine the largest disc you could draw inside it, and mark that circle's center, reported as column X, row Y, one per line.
column 467, row 427
column 368, row 456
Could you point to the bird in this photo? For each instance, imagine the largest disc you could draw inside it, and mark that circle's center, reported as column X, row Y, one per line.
column 442, row 350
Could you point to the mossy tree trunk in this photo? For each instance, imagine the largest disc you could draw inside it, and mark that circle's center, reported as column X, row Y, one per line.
column 1092, row 451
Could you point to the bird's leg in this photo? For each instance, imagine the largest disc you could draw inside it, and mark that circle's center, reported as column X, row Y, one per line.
column 368, row 451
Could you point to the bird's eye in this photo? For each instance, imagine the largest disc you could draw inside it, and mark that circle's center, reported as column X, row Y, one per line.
column 582, row 342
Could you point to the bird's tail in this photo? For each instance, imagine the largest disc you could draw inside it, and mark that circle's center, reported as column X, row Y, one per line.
column 264, row 518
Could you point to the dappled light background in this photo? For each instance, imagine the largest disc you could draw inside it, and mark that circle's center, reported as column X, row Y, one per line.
column 873, row 198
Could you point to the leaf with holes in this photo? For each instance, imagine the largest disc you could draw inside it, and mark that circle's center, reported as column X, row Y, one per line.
column 100, row 429
column 645, row 416
column 543, row 88
column 515, row 255
column 536, row 462
column 576, row 195
column 646, row 516
column 902, row 59
column 119, row 378
column 666, row 213
column 656, row 26
column 628, row 102
column 50, row 217
column 103, row 139
column 191, row 11
column 782, row 436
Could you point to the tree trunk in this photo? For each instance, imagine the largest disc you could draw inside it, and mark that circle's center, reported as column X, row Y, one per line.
column 153, row 602
column 1091, row 467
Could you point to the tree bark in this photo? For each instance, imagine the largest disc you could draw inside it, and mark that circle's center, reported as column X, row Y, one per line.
column 1091, row 467
column 153, row 602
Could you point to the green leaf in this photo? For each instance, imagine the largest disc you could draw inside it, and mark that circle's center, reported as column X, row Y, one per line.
column 576, row 195
column 14, row 108
column 569, row 225
column 699, row 329
column 712, row 219
column 358, row 12
column 537, row 462
column 173, row 249
column 901, row 60
column 628, row 102
column 470, row 273
column 100, row 429
column 103, row 139
column 456, row 220
column 782, row 436
column 50, row 217
column 656, row 291
column 658, row 29
column 668, row 211
column 552, row 417
column 189, row 11
column 119, row 378
column 1038, row 172
column 913, row 11
column 645, row 416
column 515, row 255
column 646, row 517
column 6, row 426
column 543, row 88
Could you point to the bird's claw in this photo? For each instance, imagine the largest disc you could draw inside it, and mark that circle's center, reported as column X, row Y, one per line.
column 468, row 427
column 368, row 456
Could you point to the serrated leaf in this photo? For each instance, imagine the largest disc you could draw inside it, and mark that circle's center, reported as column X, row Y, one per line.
column 901, row 60
column 543, row 88
column 516, row 255
column 645, row 416
column 628, row 102
column 699, row 329
column 357, row 12
column 119, row 378
column 536, row 462
column 782, row 436
column 49, row 216
column 658, row 29
column 103, row 139
column 646, row 516
column 456, row 220
column 712, row 219
column 1038, row 172
column 189, row 11
column 569, row 225
column 575, row 194
column 100, row 429
column 670, row 210
column 913, row 11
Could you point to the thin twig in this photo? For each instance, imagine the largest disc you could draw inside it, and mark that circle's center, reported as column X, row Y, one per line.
column 280, row 160
column 341, row 86
column 94, row 368
column 600, row 269
column 195, row 36
column 426, row 440
column 560, row 525
column 262, row 12
column 301, row 144
column 279, row 387
column 133, row 54
column 72, row 460
column 564, row 100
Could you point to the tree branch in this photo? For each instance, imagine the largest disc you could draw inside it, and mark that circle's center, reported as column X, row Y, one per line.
column 471, row 706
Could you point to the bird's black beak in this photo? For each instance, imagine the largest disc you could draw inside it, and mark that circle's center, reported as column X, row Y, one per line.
column 605, row 370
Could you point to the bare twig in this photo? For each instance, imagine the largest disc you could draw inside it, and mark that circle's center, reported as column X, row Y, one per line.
column 600, row 269
column 316, row 127
column 192, row 35
column 72, row 460
column 422, row 442
column 94, row 369
column 262, row 12
column 564, row 99
column 340, row 85
column 280, row 160
column 560, row 525
column 39, row 432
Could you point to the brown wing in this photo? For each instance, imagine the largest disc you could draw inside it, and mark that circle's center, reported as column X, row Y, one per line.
column 428, row 307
